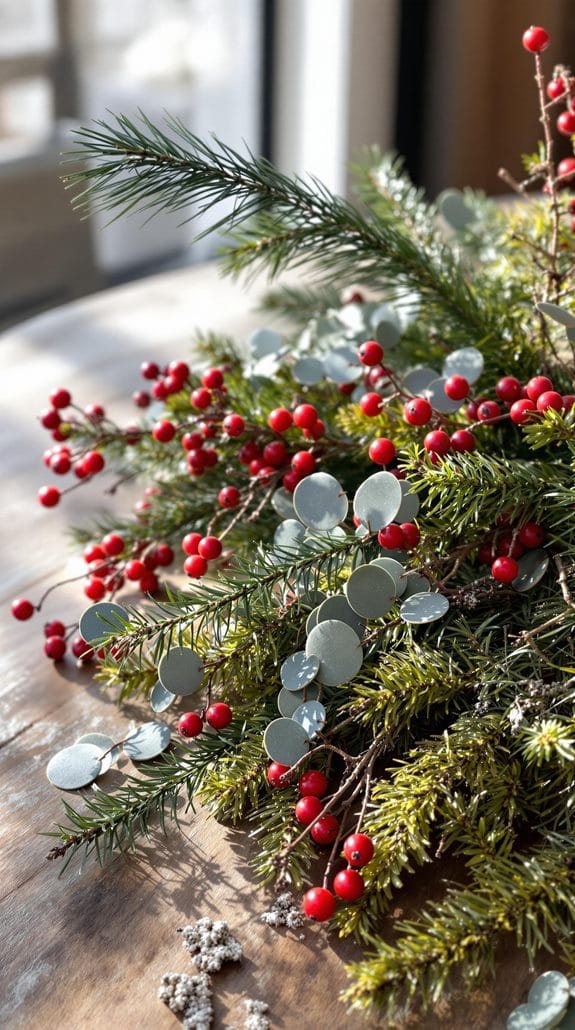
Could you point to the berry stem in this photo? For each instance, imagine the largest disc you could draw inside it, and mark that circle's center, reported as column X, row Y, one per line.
column 552, row 275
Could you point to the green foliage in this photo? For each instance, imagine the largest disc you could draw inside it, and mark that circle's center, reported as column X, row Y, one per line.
column 456, row 738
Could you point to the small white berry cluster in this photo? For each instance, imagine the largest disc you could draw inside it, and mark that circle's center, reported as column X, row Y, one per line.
column 191, row 996
column 211, row 944
column 284, row 912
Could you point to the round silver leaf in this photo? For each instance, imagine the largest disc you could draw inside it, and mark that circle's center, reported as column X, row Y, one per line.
column 320, row 501
column 388, row 334
column 312, row 716
column 418, row 378
column 74, row 767
column 285, row 741
column 308, row 371
column 560, row 315
column 288, row 536
column 264, row 342
column 312, row 619
column 409, row 506
column 148, row 741
column 161, row 698
column 467, row 362
column 181, row 671
column 361, row 531
column 318, row 540
column 370, row 591
column 383, row 313
column 437, row 397
column 105, row 746
column 420, row 608
column 532, row 568
column 454, row 209
column 339, row 651
column 351, row 316
column 298, row 670
column 342, row 365
column 102, row 619
column 394, row 552
column 289, row 700
column 267, row 367
column 312, row 598
column 415, row 584
column 282, row 503
column 338, row 607
column 378, row 500
column 396, row 570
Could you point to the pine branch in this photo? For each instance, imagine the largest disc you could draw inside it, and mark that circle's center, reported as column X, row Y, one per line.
column 531, row 895
column 290, row 221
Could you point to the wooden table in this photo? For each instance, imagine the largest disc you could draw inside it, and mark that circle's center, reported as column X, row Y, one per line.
column 88, row 949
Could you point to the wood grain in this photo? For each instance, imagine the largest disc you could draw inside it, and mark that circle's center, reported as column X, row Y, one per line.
column 88, row 949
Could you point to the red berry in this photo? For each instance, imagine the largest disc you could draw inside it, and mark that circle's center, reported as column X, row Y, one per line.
column 316, row 431
column 192, row 441
column 229, row 497
column 535, row 39
column 508, row 389
column 60, row 463
column 520, row 411
column 538, row 385
column 164, row 554
column 134, row 570
column 93, row 552
column 411, row 535
column 382, row 450
column 274, row 773
column 94, row 412
column 275, row 453
column 211, row 457
column 531, row 535
column 550, row 399
column 506, row 546
column 346, row 388
column 49, row 418
column 566, row 123
column 371, row 404
column 312, row 782
column 219, row 715
column 504, row 569
column 213, row 379
column 555, row 88
column 325, row 830
column 95, row 589
column 291, row 480
column 190, row 724
column 566, row 167
column 164, row 431
column 417, row 412
column 113, row 544
column 303, row 462
column 348, row 885
column 279, row 420
column 201, row 398
column 60, row 398
column 358, row 849
column 149, row 582
column 308, row 809
column 370, row 353
column 210, row 547
column 48, row 496
column 195, row 566
column 179, row 370
column 462, row 440
column 196, row 460
column 208, row 430
column 488, row 410
column 93, row 462
column 391, row 537
column 568, row 401
column 55, row 648
column 80, row 649
column 319, row 904
column 149, row 370
column 141, row 399
column 160, row 390
column 22, row 609
column 305, row 416
column 190, row 543
column 456, row 387
column 233, row 424
column 437, row 442
column 55, row 628
column 248, row 452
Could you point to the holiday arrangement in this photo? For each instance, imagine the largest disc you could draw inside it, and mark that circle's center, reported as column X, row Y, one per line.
column 369, row 646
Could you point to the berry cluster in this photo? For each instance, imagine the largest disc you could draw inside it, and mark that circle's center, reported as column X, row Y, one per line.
column 218, row 716
column 348, row 885
column 506, row 544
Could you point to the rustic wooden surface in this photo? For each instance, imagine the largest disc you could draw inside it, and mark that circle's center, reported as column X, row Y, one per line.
column 88, row 949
